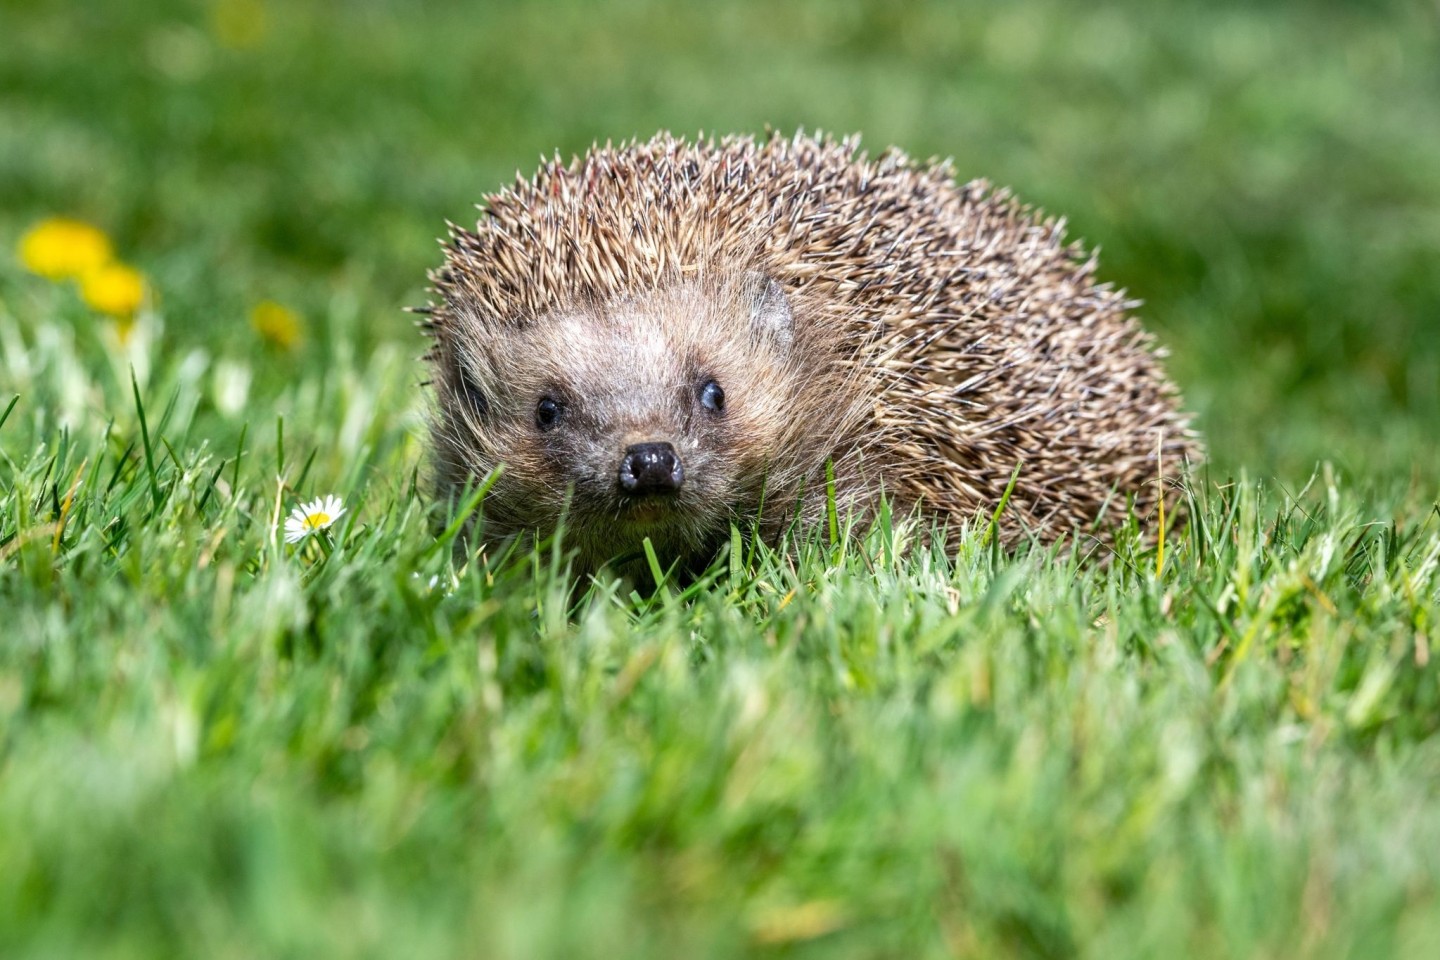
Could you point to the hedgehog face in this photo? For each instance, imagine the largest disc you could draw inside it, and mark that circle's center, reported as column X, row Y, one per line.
column 654, row 416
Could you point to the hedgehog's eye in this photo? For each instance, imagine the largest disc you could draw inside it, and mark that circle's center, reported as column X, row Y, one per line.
column 547, row 411
column 712, row 397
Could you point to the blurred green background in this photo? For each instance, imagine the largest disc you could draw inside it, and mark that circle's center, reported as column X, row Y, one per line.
column 1265, row 176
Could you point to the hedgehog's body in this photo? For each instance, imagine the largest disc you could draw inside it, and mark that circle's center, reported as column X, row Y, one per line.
column 665, row 338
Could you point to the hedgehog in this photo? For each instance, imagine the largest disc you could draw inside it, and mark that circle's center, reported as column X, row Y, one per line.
column 674, row 338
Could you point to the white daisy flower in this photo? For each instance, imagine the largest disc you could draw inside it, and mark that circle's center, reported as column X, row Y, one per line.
column 311, row 517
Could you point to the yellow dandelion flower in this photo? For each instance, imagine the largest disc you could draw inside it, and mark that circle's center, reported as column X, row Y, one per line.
column 59, row 247
column 277, row 324
column 114, row 288
column 239, row 24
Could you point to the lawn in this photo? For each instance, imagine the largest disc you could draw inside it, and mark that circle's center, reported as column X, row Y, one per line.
column 214, row 743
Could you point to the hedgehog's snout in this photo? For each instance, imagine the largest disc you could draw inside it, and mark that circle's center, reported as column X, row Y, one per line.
column 651, row 468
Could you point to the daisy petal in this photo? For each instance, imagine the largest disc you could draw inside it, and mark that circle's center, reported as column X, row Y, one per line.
column 308, row 518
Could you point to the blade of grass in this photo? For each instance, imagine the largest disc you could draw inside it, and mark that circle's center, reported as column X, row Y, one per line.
column 239, row 455
column 8, row 407
column 990, row 531
column 467, row 507
column 831, row 515
column 280, row 446
column 145, row 440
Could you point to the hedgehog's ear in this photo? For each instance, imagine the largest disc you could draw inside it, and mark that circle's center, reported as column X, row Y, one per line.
column 770, row 314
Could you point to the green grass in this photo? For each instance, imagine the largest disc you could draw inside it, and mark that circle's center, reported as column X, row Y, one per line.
column 215, row 744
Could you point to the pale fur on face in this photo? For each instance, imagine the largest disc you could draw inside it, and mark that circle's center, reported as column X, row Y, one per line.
column 633, row 371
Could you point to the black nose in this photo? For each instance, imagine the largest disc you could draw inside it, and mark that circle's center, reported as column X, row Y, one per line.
column 651, row 468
